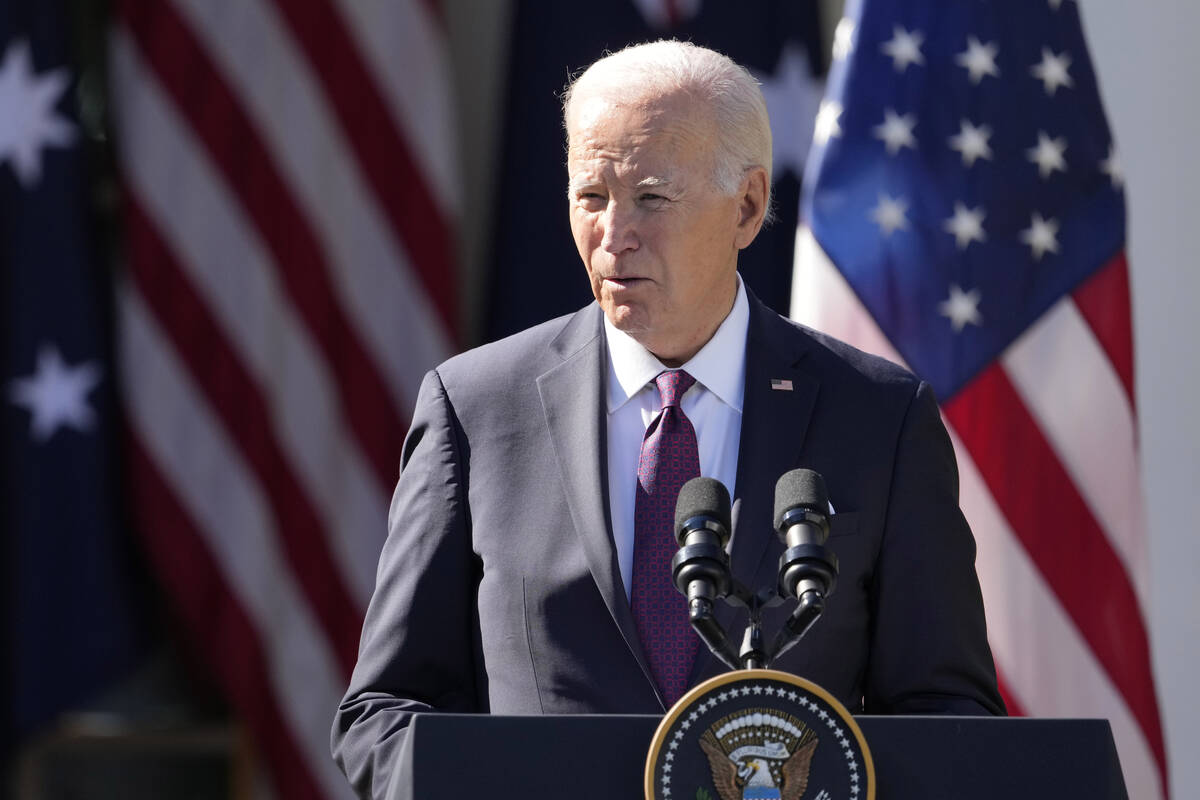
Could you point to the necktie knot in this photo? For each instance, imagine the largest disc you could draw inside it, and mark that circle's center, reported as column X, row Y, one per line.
column 671, row 386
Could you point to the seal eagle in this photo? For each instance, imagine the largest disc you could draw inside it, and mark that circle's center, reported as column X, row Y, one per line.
column 751, row 779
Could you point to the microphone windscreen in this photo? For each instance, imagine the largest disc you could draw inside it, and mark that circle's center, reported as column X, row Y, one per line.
column 703, row 497
column 800, row 488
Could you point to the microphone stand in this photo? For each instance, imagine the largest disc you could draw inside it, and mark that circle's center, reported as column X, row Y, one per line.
column 700, row 568
column 807, row 569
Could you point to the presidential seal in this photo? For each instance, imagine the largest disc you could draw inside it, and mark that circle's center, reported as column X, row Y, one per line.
column 759, row 735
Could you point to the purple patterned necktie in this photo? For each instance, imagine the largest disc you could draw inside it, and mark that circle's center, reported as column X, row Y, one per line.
column 669, row 459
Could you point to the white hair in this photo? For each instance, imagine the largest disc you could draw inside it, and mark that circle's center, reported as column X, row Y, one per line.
column 727, row 89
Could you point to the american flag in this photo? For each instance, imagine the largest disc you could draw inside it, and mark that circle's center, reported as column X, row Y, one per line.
column 290, row 194
column 967, row 219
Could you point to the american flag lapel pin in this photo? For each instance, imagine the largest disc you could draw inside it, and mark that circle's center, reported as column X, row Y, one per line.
column 781, row 385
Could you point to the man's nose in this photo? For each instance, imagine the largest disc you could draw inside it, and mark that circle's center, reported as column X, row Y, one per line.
column 620, row 230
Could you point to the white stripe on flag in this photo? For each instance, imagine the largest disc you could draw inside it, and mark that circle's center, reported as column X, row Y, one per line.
column 198, row 461
column 1061, row 371
column 197, row 216
column 369, row 266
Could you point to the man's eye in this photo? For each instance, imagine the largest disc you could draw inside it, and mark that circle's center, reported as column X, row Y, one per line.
column 653, row 199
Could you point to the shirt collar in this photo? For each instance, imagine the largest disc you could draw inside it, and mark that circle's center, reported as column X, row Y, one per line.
column 719, row 367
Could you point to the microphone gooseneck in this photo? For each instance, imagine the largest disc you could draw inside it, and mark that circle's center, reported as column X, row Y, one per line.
column 700, row 570
column 807, row 569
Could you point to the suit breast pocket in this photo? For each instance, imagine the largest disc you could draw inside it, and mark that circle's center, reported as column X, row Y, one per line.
column 854, row 549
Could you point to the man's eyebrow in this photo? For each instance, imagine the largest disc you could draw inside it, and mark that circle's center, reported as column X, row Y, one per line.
column 575, row 184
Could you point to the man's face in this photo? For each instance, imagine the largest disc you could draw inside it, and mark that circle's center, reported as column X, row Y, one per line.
column 659, row 241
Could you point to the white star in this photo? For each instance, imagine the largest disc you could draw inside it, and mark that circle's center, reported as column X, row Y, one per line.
column 966, row 225
column 758, row 689
column 843, row 38
column 979, row 59
column 56, row 395
column 1052, row 71
column 823, row 714
column 961, row 307
column 1040, row 236
column 904, row 48
column 28, row 121
column 889, row 215
column 792, row 96
column 1111, row 167
column 1048, row 154
column 827, row 126
column 896, row 131
column 972, row 142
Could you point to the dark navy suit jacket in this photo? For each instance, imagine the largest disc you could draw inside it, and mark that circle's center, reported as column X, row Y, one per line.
column 498, row 588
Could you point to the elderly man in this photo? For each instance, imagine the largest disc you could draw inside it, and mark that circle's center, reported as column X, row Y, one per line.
column 526, row 569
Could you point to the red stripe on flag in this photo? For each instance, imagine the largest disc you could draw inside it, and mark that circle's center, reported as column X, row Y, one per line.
column 1103, row 300
column 235, row 148
column 235, row 397
column 1074, row 557
column 386, row 159
column 217, row 622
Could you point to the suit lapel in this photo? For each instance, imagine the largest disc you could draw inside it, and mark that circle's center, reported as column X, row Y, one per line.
column 774, row 422
column 572, row 396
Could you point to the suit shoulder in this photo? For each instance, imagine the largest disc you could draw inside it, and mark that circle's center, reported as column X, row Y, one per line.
column 852, row 363
column 520, row 354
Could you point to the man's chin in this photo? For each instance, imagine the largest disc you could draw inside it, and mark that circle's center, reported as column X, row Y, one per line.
column 625, row 318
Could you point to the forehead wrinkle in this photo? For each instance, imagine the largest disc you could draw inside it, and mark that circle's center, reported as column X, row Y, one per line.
column 654, row 182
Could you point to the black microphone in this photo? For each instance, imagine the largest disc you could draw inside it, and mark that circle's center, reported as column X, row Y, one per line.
column 700, row 569
column 807, row 569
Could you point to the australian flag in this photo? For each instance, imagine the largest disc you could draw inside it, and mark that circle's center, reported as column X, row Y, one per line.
column 67, row 622
column 536, row 271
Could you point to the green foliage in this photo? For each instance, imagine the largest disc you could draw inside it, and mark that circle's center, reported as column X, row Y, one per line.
column 703, row 794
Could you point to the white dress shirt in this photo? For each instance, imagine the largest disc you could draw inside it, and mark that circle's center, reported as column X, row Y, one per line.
column 713, row 404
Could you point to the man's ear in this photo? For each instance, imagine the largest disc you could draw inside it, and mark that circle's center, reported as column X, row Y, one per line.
column 752, row 206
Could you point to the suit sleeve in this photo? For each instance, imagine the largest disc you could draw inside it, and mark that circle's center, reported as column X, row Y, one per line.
column 416, row 653
column 929, row 649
